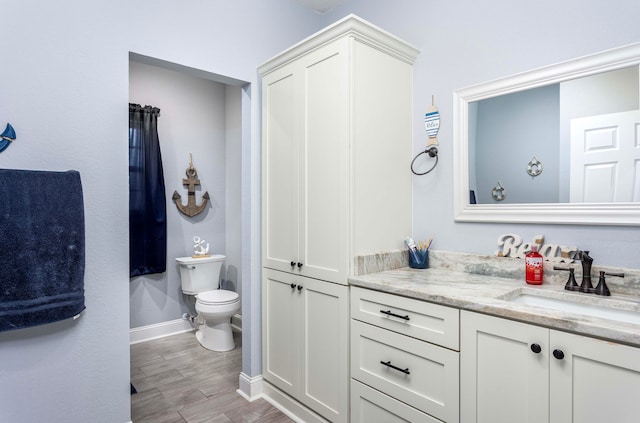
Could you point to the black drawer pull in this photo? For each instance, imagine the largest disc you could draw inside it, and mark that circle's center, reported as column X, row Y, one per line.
column 389, row 313
column 388, row 364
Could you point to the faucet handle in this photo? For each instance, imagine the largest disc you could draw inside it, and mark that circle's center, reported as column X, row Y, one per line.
column 580, row 255
column 571, row 284
column 602, row 288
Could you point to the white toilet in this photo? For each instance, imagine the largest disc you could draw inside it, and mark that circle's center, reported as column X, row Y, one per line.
column 200, row 277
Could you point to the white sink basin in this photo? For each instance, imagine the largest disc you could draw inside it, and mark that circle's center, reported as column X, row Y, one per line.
column 621, row 311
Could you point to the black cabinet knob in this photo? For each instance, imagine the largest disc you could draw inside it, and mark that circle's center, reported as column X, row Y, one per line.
column 299, row 287
column 558, row 354
column 293, row 263
column 536, row 348
column 299, row 265
column 293, row 286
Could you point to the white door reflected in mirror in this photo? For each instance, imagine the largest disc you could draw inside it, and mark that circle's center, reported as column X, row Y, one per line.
column 605, row 158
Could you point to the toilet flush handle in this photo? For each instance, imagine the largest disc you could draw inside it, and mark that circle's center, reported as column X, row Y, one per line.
column 186, row 266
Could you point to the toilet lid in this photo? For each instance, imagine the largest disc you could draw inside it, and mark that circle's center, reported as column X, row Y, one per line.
column 217, row 296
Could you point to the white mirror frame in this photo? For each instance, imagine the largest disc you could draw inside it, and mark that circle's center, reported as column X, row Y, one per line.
column 626, row 214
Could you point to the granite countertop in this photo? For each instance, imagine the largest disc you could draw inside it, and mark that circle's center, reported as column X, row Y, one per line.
column 489, row 294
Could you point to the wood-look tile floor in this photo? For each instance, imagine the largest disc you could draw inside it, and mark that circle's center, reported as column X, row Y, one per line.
column 179, row 381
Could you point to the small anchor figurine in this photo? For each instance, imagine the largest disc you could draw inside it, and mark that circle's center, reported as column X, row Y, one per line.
column 199, row 247
column 191, row 209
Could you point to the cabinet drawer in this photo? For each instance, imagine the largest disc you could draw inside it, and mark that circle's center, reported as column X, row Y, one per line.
column 419, row 319
column 371, row 406
column 420, row 374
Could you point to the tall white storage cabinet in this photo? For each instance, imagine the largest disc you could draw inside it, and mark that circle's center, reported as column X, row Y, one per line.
column 336, row 145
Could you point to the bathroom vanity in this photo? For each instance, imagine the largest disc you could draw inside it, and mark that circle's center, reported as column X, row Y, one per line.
column 514, row 362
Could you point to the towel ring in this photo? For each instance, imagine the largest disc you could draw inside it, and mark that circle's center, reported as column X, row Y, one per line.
column 432, row 152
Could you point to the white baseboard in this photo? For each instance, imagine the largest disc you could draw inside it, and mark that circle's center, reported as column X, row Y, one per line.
column 250, row 388
column 289, row 406
column 172, row 327
column 159, row 330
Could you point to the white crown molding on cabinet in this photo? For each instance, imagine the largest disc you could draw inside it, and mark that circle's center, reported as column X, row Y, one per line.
column 321, row 6
column 355, row 26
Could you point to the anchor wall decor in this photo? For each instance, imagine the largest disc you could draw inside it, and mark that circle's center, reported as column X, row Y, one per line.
column 7, row 137
column 191, row 209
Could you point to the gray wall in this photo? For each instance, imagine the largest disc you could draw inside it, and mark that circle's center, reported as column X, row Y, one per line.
column 65, row 89
column 64, row 85
column 468, row 42
column 232, row 277
column 510, row 131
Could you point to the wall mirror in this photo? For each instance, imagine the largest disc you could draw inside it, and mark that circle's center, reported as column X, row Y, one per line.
column 559, row 144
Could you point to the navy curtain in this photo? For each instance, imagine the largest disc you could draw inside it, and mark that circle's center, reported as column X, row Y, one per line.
column 147, row 203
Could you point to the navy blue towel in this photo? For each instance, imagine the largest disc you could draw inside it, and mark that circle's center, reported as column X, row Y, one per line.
column 41, row 247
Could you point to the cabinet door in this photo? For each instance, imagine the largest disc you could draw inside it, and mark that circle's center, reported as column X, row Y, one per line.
column 324, row 164
column 324, row 340
column 596, row 381
column 280, row 131
column 502, row 379
column 280, row 330
column 306, row 165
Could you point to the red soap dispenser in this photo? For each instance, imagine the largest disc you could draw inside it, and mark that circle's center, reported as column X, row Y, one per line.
column 534, row 266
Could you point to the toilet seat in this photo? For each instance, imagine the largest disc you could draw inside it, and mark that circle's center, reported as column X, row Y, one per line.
column 217, row 297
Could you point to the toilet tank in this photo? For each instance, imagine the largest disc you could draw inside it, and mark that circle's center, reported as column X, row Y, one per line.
column 200, row 274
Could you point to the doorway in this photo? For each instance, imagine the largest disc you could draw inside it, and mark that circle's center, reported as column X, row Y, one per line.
column 204, row 117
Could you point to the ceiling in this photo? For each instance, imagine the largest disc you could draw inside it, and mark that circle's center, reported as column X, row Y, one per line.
column 321, row 6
